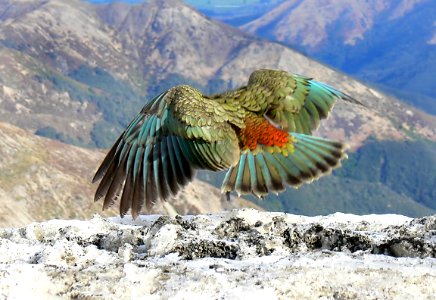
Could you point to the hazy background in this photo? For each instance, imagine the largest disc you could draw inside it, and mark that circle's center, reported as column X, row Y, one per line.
column 76, row 72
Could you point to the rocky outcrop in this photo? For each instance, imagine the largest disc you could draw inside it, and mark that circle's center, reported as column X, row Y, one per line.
column 235, row 255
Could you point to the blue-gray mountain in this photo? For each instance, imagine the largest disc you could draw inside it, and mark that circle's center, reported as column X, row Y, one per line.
column 389, row 43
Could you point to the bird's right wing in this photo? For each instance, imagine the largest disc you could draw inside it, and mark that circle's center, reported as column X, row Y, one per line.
column 174, row 134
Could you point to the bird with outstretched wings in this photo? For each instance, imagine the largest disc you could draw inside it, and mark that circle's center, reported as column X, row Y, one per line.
column 260, row 132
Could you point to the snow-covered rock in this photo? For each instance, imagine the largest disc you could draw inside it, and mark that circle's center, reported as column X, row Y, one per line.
column 242, row 254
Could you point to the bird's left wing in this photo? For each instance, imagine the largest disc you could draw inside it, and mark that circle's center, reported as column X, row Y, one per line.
column 174, row 134
column 294, row 102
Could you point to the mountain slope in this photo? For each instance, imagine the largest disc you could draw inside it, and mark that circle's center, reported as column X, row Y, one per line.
column 42, row 179
column 61, row 81
column 391, row 43
column 82, row 81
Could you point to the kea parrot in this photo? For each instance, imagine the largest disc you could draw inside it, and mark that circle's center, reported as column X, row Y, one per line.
column 260, row 132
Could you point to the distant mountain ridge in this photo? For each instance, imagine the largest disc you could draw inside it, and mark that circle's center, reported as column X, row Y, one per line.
column 391, row 43
column 74, row 63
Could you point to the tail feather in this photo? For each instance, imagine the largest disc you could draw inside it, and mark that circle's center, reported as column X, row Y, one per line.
column 294, row 176
column 261, row 172
column 264, row 172
column 241, row 183
column 276, row 171
column 257, row 180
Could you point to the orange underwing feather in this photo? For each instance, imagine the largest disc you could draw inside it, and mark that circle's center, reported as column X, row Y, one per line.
column 258, row 130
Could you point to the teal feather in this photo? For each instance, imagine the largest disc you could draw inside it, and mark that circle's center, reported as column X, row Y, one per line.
column 160, row 180
column 191, row 147
column 229, row 179
column 290, row 167
column 305, row 163
column 261, row 184
column 175, row 165
column 240, row 175
column 298, row 126
column 253, row 174
column 138, row 197
column 146, row 171
column 260, row 161
column 319, row 142
column 126, row 146
column 318, row 148
column 117, row 183
column 145, row 130
column 138, row 162
column 246, row 186
column 313, row 112
column 305, row 120
column 132, row 127
column 131, row 155
column 322, row 106
column 178, row 146
column 271, row 161
column 127, row 193
column 153, row 128
column 214, row 157
column 276, row 172
column 168, row 175
column 294, row 175
column 212, row 160
column 203, row 158
column 319, row 161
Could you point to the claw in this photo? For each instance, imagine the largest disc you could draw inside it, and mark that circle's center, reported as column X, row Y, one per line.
column 225, row 195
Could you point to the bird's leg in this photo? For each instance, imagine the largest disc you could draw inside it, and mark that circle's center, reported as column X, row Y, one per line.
column 226, row 195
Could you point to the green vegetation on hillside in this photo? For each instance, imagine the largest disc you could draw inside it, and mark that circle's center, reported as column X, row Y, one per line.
column 115, row 99
column 52, row 133
column 408, row 168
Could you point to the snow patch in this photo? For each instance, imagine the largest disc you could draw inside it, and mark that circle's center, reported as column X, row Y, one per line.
column 232, row 255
